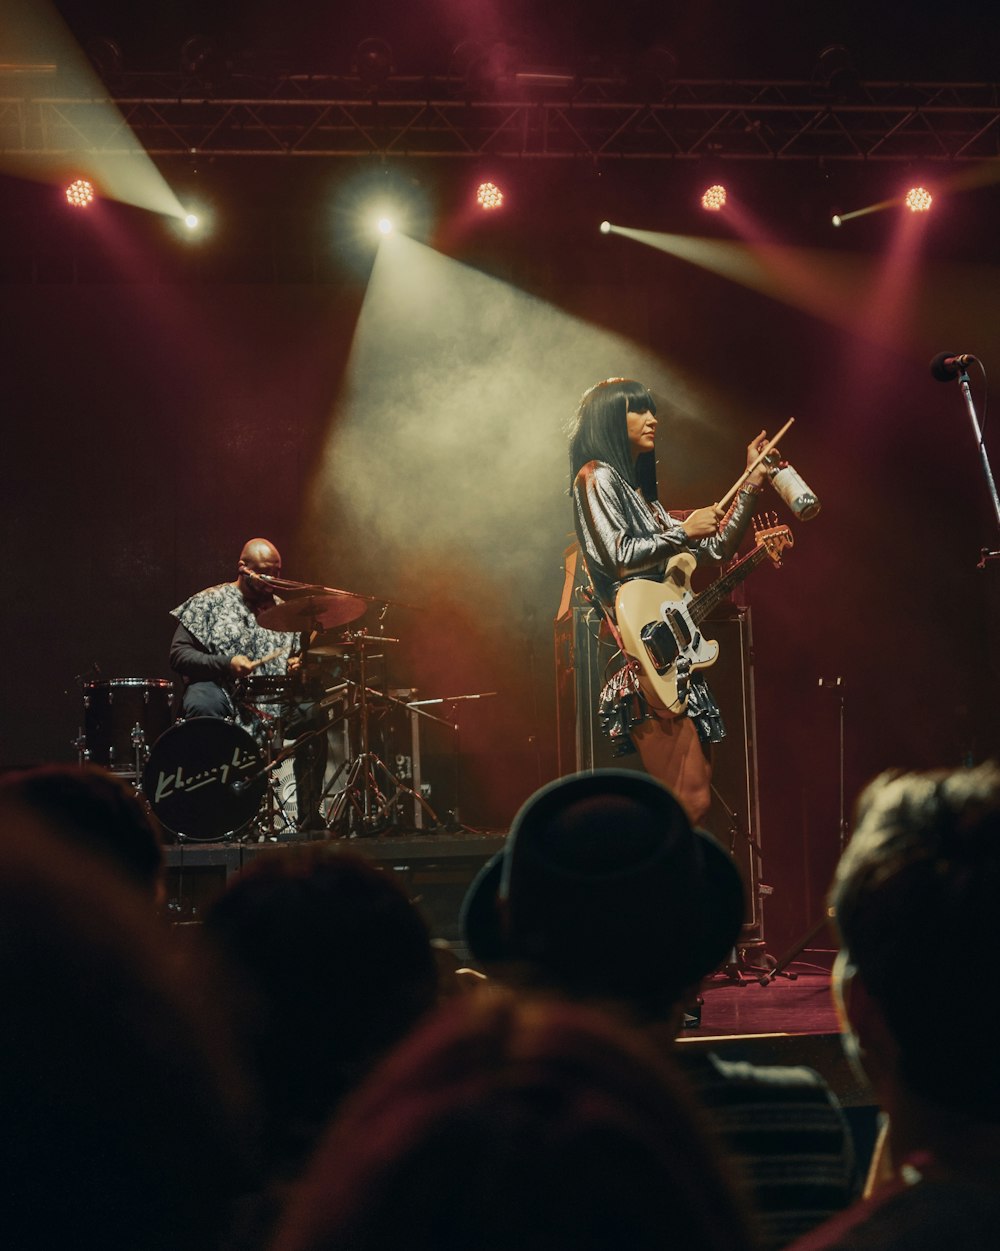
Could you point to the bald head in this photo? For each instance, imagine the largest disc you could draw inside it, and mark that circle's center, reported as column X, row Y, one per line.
column 257, row 552
column 258, row 556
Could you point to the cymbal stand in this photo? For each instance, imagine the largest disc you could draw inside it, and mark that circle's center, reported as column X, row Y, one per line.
column 363, row 794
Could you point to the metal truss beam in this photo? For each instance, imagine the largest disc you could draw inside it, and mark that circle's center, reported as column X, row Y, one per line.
column 594, row 119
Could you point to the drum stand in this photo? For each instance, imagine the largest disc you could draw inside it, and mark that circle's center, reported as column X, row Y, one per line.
column 371, row 791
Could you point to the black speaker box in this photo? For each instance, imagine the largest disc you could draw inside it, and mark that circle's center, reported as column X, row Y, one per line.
column 583, row 658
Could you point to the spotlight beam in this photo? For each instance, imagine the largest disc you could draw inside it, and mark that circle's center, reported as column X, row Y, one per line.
column 33, row 29
column 825, row 284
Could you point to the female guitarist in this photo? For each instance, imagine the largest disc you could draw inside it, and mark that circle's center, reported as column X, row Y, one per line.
column 625, row 532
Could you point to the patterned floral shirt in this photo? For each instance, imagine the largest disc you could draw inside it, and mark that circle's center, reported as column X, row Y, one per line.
column 221, row 620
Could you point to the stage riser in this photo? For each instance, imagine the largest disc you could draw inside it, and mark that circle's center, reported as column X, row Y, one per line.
column 434, row 871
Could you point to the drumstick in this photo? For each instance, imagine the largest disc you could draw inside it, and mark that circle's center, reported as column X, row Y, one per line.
column 280, row 651
column 753, row 464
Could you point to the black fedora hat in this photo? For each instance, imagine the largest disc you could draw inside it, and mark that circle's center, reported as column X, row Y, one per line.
column 604, row 887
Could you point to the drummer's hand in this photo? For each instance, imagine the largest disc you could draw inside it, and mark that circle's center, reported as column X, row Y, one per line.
column 294, row 664
column 241, row 665
column 702, row 522
column 754, row 449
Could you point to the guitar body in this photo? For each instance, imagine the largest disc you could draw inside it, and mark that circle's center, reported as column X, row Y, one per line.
column 659, row 622
column 657, row 628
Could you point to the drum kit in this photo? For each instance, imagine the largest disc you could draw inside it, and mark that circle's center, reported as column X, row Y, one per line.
column 210, row 780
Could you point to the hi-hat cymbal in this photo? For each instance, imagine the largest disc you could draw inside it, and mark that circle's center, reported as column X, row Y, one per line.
column 310, row 611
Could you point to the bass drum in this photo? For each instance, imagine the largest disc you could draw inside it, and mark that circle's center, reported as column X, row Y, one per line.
column 204, row 779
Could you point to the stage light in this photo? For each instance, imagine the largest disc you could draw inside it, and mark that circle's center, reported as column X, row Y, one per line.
column 835, row 73
column 202, row 59
column 80, row 193
column 837, row 220
column 193, row 223
column 605, row 228
column 384, row 226
column 373, row 62
column 918, row 200
column 714, row 198
column 650, row 74
column 106, row 56
column 489, row 196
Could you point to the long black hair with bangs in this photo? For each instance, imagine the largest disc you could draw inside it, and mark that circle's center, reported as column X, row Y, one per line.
column 600, row 432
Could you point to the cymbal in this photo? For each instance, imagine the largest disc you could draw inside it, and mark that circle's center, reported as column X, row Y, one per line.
column 313, row 610
column 338, row 650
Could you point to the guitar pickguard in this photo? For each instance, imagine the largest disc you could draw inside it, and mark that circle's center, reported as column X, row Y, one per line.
column 676, row 634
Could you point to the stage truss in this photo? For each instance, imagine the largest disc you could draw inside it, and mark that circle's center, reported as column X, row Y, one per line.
column 593, row 119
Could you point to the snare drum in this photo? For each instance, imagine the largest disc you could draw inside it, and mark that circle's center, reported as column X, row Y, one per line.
column 264, row 688
column 204, row 779
column 123, row 717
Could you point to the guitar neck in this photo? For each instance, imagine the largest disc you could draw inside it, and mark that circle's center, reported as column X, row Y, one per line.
column 703, row 603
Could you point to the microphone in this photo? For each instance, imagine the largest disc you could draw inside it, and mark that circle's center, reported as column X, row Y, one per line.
column 945, row 367
column 241, row 785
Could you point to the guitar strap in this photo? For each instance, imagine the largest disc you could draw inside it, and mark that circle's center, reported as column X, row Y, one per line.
column 592, row 598
column 595, row 601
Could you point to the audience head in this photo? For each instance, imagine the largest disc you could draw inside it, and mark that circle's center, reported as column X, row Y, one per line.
column 915, row 897
column 522, row 1123
column 123, row 1111
column 339, row 965
column 604, row 890
column 98, row 812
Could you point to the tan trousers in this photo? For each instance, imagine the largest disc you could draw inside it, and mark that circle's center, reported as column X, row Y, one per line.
column 672, row 752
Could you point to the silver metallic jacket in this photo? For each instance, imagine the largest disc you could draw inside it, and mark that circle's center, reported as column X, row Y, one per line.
column 623, row 537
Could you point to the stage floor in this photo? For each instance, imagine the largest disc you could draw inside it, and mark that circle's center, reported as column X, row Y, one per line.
column 785, row 1022
column 799, row 1005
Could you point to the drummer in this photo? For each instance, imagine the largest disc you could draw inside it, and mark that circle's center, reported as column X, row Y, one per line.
column 219, row 639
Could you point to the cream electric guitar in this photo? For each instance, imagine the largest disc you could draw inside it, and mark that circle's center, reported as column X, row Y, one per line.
column 660, row 621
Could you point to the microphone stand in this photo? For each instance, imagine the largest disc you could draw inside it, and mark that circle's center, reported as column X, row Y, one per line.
column 780, row 968
column 986, row 554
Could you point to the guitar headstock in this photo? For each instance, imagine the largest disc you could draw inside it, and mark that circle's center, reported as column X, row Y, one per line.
column 772, row 537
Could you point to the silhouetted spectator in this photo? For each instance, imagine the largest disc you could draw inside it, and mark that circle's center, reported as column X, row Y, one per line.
column 335, row 964
column 605, row 893
column 97, row 812
column 502, row 1125
column 126, row 1123
column 915, row 897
